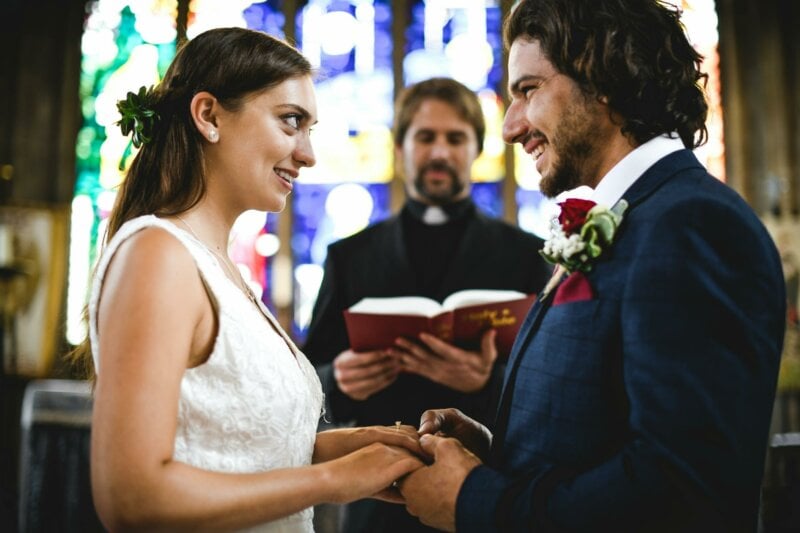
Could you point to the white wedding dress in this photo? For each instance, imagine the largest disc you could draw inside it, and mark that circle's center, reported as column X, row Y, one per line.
column 255, row 404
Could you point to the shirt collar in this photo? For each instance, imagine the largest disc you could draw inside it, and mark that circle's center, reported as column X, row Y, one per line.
column 436, row 215
column 630, row 168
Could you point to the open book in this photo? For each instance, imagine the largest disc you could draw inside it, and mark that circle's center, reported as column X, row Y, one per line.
column 374, row 323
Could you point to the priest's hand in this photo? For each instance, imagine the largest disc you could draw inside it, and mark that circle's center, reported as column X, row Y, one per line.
column 447, row 364
column 359, row 375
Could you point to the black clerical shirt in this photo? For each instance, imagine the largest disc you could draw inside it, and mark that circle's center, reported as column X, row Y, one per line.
column 431, row 247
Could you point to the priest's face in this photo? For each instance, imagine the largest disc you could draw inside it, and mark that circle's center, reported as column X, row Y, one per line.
column 437, row 154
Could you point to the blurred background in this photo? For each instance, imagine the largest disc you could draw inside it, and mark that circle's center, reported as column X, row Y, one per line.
column 65, row 63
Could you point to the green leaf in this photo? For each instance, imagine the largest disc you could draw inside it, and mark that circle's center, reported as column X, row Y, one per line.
column 138, row 115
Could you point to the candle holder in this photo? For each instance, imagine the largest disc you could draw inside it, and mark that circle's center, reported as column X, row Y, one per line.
column 17, row 283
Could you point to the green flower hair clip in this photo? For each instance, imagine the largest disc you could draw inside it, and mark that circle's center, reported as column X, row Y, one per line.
column 138, row 115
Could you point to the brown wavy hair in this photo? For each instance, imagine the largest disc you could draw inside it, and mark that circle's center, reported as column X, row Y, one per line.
column 167, row 176
column 448, row 90
column 633, row 52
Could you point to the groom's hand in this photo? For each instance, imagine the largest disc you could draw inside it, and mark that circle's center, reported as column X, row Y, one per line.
column 453, row 423
column 431, row 492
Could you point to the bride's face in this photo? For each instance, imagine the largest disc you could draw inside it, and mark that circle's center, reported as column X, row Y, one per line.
column 263, row 145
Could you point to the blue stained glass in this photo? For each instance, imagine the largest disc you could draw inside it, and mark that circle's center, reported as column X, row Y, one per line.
column 449, row 39
column 267, row 17
column 314, row 229
column 311, row 234
column 383, row 50
column 415, row 32
column 430, row 58
column 489, row 197
column 268, row 272
column 383, row 13
column 308, row 209
column 535, row 211
column 338, row 64
column 530, row 196
column 494, row 27
column 381, row 195
column 447, row 30
column 341, row 5
column 351, row 45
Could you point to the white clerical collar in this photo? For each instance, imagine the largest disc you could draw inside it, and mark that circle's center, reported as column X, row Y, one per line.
column 435, row 216
column 625, row 173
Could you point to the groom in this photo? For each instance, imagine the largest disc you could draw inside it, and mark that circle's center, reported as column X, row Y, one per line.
column 639, row 392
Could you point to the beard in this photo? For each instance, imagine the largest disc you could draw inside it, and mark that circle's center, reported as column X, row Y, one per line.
column 566, row 172
column 575, row 145
column 438, row 195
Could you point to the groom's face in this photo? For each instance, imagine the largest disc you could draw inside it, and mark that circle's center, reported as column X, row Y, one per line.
column 562, row 128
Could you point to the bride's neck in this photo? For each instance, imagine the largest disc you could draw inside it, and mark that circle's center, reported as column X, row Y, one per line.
column 212, row 230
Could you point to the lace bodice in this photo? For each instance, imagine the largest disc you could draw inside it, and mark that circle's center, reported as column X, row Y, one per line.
column 255, row 403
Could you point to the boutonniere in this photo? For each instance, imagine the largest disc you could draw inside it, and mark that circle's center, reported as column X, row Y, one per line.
column 582, row 232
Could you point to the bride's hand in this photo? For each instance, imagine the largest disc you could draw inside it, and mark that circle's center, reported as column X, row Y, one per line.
column 369, row 471
column 335, row 443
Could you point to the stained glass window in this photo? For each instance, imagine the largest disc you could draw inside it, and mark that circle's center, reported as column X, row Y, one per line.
column 125, row 44
column 349, row 42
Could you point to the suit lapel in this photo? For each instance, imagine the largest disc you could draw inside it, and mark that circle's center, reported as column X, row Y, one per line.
column 531, row 324
column 526, row 331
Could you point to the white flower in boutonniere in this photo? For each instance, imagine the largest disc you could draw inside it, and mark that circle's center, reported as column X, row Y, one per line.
column 582, row 232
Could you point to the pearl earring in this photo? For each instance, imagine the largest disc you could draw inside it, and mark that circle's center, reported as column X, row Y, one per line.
column 212, row 136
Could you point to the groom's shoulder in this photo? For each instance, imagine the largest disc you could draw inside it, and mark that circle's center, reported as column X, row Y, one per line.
column 691, row 188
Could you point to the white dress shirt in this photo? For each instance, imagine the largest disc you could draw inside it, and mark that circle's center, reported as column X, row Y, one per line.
column 631, row 167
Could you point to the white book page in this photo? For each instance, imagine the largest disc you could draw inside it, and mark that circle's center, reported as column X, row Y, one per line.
column 469, row 297
column 398, row 305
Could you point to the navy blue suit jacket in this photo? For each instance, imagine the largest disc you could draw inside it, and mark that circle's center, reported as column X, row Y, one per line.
column 646, row 406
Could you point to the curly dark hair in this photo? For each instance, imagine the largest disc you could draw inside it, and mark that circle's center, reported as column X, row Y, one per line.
column 635, row 53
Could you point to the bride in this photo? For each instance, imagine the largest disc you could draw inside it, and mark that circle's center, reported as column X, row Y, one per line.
column 205, row 412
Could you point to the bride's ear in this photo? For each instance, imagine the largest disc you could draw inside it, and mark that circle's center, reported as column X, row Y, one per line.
column 203, row 109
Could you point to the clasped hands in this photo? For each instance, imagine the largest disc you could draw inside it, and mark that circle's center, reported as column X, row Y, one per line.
column 423, row 469
column 451, row 443
column 359, row 375
column 454, row 444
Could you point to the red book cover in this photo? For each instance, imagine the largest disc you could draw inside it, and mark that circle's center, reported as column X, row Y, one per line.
column 374, row 323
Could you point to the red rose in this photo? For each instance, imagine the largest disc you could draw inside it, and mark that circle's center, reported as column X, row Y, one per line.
column 573, row 214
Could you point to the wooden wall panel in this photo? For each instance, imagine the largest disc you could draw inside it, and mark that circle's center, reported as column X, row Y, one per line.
column 759, row 63
column 42, row 108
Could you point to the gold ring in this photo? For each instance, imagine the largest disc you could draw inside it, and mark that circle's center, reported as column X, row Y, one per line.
column 397, row 425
